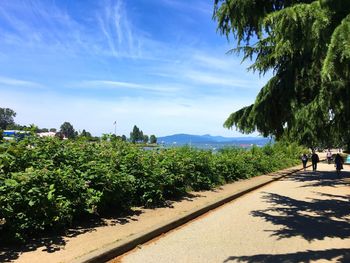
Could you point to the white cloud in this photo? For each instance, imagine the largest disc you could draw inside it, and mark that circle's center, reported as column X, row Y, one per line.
column 207, row 78
column 41, row 24
column 175, row 101
column 36, row 23
column 108, row 84
column 111, row 84
column 118, row 29
column 210, row 69
column 5, row 81
column 225, row 63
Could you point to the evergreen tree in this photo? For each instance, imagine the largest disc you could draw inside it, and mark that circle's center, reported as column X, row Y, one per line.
column 136, row 135
column 306, row 44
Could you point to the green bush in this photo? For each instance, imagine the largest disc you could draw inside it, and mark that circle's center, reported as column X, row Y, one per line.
column 46, row 184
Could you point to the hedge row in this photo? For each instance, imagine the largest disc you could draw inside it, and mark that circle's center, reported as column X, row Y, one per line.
column 45, row 184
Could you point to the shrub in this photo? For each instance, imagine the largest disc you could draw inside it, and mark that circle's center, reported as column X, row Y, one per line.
column 47, row 183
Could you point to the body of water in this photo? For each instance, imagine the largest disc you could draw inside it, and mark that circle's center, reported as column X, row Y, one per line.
column 213, row 146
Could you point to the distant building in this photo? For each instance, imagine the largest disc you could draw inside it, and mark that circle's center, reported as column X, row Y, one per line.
column 46, row 134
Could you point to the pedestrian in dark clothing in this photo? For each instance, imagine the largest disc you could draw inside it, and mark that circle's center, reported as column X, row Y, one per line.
column 338, row 162
column 304, row 160
column 314, row 160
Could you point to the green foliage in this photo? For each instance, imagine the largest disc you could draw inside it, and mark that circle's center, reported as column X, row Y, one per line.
column 306, row 45
column 86, row 134
column 15, row 126
column 136, row 135
column 6, row 117
column 153, row 139
column 47, row 183
column 67, row 130
column 145, row 139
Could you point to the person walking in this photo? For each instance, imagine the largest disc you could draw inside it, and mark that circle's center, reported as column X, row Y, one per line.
column 338, row 162
column 304, row 161
column 329, row 156
column 314, row 160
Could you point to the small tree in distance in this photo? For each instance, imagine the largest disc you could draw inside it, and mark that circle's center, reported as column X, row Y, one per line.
column 6, row 117
column 86, row 134
column 145, row 138
column 153, row 139
column 43, row 130
column 136, row 135
column 67, row 130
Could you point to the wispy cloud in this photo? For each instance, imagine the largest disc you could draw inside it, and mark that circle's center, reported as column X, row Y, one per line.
column 117, row 29
column 210, row 69
column 33, row 23
column 111, row 84
column 5, row 81
column 152, row 63
column 206, row 78
column 45, row 25
column 225, row 63
column 108, row 29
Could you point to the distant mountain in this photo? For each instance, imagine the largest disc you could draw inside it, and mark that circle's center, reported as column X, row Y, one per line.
column 189, row 138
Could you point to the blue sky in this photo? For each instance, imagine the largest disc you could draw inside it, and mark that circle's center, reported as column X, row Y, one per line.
column 159, row 64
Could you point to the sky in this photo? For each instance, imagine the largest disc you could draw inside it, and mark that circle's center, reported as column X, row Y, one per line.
column 157, row 64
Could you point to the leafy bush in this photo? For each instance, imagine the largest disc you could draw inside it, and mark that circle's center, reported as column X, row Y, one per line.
column 46, row 184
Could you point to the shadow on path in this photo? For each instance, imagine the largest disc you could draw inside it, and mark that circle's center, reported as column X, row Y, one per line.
column 317, row 179
column 340, row 255
column 313, row 220
column 56, row 242
column 53, row 243
column 50, row 245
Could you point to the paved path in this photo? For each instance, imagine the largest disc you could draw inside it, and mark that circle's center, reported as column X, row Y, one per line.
column 304, row 217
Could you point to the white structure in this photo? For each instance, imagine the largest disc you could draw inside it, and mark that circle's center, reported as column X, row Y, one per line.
column 46, row 134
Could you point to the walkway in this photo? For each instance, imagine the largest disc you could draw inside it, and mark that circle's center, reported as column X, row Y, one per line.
column 304, row 217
